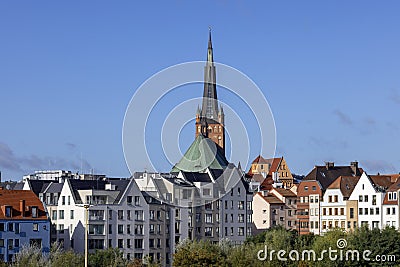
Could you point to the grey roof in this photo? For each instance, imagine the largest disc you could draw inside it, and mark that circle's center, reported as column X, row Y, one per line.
column 38, row 186
column 197, row 177
column 54, row 188
column 120, row 185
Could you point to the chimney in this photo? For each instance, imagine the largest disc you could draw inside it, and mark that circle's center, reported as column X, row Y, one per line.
column 329, row 165
column 265, row 193
column 22, row 207
column 354, row 167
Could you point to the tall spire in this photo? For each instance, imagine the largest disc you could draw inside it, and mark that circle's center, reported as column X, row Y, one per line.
column 210, row 103
column 209, row 50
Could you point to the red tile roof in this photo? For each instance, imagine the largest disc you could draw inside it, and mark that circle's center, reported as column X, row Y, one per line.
column 346, row 184
column 285, row 192
column 21, row 202
column 271, row 199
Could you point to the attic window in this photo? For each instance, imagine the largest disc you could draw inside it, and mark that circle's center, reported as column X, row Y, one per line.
column 8, row 211
column 34, row 212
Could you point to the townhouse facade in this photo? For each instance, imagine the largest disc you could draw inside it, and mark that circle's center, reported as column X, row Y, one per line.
column 274, row 207
column 369, row 193
column 23, row 221
column 337, row 211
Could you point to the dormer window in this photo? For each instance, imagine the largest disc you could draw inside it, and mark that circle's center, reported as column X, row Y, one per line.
column 8, row 211
column 34, row 212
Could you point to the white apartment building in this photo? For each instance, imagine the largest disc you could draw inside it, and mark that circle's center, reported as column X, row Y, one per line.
column 370, row 192
column 119, row 216
column 335, row 201
column 390, row 207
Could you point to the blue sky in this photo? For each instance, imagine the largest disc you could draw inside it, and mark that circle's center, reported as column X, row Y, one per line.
column 329, row 70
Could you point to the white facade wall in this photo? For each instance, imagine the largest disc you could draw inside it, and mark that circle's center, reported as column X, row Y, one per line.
column 333, row 210
column 369, row 203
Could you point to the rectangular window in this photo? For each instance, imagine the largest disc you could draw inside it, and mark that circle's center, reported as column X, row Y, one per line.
column 63, row 200
column 61, row 214
column 360, row 198
column 336, row 198
column 54, row 215
column 366, row 198
column 120, row 243
column 8, row 211
column 2, row 227
column 120, row 214
column 377, row 211
column 16, row 228
column 374, row 200
column 60, row 228
column 208, row 218
column 241, row 205
column 34, row 212
column 71, row 214
column 351, row 213
column 137, row 201
column 151, row 214
column 96, row 229
column 96, row 243
column 129, row 199
column 10, row 227
column 366, row 211
column 208, row 231
column 241, row 231
column 138, row 229
column 330, row 199
column 360, row 211
column 120, row 229
column 371, row 211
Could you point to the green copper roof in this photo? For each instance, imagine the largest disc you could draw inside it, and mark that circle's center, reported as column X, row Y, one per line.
column 202, row 154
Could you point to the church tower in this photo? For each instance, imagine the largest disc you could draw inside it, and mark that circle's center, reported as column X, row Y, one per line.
column 210, row 118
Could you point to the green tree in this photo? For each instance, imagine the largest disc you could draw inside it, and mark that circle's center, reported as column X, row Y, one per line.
column 199, row 253
column 111, row 257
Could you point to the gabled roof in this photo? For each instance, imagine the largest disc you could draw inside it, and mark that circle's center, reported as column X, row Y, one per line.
column 261, row 160
column 271, row 199
column 203, row 153
column 381, row 181
column 120, row 185
column 267, row 184
column 393, row 188
column 327, row 175
column 12, row 198
column 38, row 186
column 346, row 184
column 272, row 162
column 54, row 188
column 285, row 192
